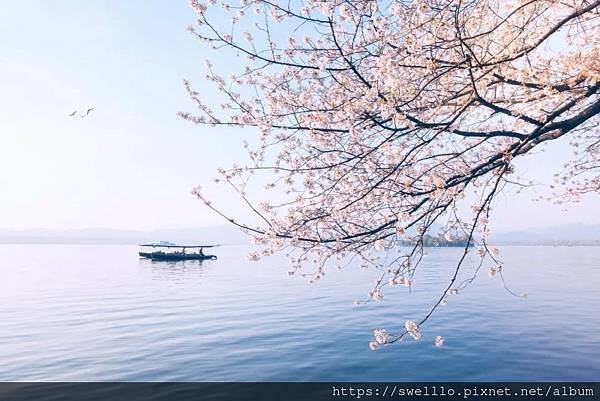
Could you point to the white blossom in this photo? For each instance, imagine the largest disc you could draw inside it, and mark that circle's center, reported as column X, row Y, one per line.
column 492, row 271
column 376, row 295
column 381, row 336
column 248, row 36
column 413, row 329
column 198, row 6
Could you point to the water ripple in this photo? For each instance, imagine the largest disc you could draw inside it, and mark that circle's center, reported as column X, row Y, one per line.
column 85, row 312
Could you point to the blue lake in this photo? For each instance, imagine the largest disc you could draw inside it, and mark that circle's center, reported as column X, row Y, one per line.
column 99, row 313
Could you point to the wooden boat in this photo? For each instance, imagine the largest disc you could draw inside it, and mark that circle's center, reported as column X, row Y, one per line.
column 169, row 251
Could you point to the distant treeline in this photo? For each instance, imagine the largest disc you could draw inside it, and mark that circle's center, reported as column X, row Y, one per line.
column 434, row 241
column 550, row 243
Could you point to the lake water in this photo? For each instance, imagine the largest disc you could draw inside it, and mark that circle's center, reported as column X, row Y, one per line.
column 99, row 313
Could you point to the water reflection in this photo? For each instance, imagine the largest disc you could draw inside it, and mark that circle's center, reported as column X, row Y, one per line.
column 174, row 270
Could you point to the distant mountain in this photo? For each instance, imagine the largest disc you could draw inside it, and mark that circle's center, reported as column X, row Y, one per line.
column 567, row 234
column 576, row 234
column 225, row 235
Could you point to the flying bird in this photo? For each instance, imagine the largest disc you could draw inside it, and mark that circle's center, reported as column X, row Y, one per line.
column 87, row 112
column 81, row 113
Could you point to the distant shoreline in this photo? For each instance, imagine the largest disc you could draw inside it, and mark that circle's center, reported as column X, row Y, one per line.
column 562, row 235
column 108, row 241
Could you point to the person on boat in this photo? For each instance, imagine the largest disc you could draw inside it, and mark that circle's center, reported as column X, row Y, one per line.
column 200, row 252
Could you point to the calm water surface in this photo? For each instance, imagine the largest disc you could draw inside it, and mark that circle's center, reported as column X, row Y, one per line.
column 97, row 312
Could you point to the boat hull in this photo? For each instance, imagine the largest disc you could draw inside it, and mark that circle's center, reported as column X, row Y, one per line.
column 173, row 256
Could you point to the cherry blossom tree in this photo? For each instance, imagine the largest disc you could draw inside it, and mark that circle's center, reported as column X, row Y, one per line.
column 377, row 120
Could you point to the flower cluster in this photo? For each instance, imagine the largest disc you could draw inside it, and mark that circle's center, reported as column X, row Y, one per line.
column 379, row 121
column 381, row 336
column 413, row 329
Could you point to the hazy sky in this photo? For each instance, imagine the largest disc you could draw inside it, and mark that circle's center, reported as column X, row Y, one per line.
column 132, row 162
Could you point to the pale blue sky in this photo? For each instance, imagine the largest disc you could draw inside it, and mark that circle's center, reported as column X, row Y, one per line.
column 132, row 162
